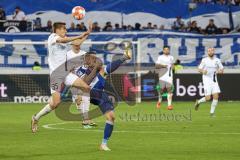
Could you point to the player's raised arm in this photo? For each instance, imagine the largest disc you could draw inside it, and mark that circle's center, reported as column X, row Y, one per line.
column 85, row 35
column 59, row 28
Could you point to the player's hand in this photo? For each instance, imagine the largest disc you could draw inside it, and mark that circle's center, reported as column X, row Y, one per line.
column 204, row 72
column 90, row 26
column 220, row 71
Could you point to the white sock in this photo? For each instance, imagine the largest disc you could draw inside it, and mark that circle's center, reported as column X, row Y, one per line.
column 43, row 112
column 169, row 98
column 213, row 106
column 85, row 106
column 203, row 99
column 159, row 97
column 79, row 108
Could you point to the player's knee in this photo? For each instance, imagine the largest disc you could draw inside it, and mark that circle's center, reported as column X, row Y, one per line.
column 110, row 116
column 78, row 101
column 54, row 104
column 208, row 98
column 215, row 96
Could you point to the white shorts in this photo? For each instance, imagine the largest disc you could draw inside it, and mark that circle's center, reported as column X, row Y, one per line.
column 78, row 92
column 70, row 79
column 210, row 89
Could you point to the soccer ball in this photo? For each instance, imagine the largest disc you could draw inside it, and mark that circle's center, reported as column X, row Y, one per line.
column 78, row 12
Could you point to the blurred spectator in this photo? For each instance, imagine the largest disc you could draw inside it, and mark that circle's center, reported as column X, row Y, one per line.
column 236, row 2
column 72, row 28
column 19, row 15
column 162, row 27
column 155, row 27
column 194, row 28
column 2, row 14
column 129, row 28
column 211, row 28
column 222, row 2
column 137, row 27
column 117, row 27
column 124, row 27
column 108, row 27
column 177, row 66
column 225, row 30
column 95, row 27
column 48, row 28
column 149, row 26
column 81, row 27
column 178, row 24
column 36, row 66
column 37, row 24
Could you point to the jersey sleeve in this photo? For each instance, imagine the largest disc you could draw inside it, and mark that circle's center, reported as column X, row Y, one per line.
column 159, row 61
column 53, row 39
column 202, row 64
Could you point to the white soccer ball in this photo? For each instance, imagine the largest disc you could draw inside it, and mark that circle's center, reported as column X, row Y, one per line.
column 78, row 13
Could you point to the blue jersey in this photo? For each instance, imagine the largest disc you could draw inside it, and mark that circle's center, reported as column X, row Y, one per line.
column 97, row 83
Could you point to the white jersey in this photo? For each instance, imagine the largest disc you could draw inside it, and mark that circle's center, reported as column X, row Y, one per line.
column 57, row 52
column 211, row 65
column 19, row 16
column 166, row 60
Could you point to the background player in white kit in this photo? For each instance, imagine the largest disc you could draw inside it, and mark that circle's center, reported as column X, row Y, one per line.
column 58, row 46
column 165, row 64
column 209, row 68
column 80, row 98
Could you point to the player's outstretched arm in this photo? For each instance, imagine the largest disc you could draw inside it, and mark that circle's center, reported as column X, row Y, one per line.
column 68, row 39
column 85, row 34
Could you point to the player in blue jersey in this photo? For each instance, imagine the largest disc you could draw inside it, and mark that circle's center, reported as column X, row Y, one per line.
column 97, row 94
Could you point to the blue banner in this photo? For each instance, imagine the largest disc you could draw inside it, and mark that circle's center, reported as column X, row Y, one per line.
column 189, row 48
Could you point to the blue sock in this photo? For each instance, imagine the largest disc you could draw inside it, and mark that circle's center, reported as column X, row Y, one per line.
column 107, row 131
column 111, row 67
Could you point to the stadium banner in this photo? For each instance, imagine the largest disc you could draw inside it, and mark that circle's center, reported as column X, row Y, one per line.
column 127, row 12
column 189, row 48
column 187, row 87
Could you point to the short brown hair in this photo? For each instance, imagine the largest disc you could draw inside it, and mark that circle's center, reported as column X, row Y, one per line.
column 58, row 25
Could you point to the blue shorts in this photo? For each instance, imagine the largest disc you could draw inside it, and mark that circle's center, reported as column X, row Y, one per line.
column 100, row 98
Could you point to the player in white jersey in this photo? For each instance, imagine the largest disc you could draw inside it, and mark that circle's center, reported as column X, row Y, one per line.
column 165, row 64
column 58, row 48
column 209, row 68
column 82, row 99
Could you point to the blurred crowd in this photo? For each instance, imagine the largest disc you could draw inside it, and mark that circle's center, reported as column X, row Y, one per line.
column 178, row 24
column 220, row 2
